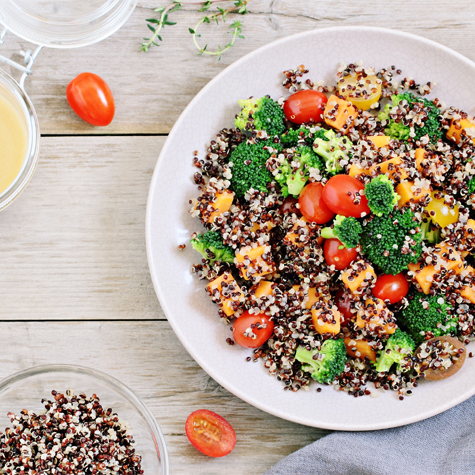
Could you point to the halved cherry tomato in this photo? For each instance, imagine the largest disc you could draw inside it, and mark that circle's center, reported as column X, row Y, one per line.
column 441, row 213
column 343, row 302
column 334, row 256
column 210, row 433
column 363, row 92
column 91, row 98
column 305, row 106
column 288, row 206
column 339, row 195
column 252, row 330
column 312, row 205
column 391, row 287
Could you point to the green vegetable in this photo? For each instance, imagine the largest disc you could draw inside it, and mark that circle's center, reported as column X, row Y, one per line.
column 347, row 229
column 398, row 347
column 381, row 195
column 397, row 130
column 292, row 137
column 471, row 185
column 427, row 313
column 261, row 114
column 430, row 231
column 292, row 181
column 384, row 241
column 325, row 364
column 210, row 246
column 333, row 149
column 249, row 167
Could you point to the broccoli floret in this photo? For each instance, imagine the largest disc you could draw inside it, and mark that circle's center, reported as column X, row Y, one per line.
column 261, row 114
column 347, row 229
column 292, row 137
column 210, row 246
column 471, row 185
column 397, row 130
column 293, row 180
column 325, row 364
column 249, row 167
column 333, row 150
column 427, row 313
column 381, row 195
column 398, row 347
column 430, row 231
column 388, row 243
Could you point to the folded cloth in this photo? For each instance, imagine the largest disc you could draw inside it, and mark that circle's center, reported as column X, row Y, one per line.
column 441, row 445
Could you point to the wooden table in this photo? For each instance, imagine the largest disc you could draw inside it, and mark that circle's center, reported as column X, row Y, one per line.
column 74, row 279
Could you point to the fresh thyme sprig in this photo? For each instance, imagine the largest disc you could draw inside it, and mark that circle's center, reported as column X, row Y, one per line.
column 157, row 24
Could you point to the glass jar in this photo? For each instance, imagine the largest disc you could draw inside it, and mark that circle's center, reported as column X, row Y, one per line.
column 53, row 24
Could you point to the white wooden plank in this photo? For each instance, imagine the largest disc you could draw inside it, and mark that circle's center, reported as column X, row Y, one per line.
column 73, row 244
column 152, row 89
column 148, row 357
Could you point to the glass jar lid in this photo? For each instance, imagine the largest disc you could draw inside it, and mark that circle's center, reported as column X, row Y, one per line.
column 65, row 23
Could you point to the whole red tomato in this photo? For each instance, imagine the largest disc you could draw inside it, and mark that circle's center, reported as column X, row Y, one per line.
column 210, row 433
column 340, row 195
column 391, row 287
column 91, row 98
column 261, row 329
column 305, row 106
column 337, row 255
column 312, row 206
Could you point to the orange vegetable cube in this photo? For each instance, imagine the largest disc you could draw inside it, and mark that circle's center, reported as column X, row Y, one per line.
column 222, row 203
column 457, row 126
column 251, row 264
column 310, row 296
column 356, row 169
column 299, row 234
column 339, row 114
column 393, row 168
column 420, row 156
column 468, row 291
column 326, row 320
column 359, row 275
column 379, row 141
column 408, row 192
column 375, row 314
column 266, row 227
column 360, row 349
column 263, row 289
column 226, row 293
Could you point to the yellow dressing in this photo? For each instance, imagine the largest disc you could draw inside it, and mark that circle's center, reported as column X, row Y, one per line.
column 13, row 142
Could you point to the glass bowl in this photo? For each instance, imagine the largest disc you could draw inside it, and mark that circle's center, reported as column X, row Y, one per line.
column 26, row 389
column 12, row 91
column 65, row 23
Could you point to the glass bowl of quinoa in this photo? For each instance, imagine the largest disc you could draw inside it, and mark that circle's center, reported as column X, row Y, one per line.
column 203, row 130
column 76, row 420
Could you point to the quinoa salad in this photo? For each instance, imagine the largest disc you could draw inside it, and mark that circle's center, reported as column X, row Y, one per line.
column 337, row 231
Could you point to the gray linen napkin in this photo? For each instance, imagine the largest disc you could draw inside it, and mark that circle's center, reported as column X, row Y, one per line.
column 441, row 445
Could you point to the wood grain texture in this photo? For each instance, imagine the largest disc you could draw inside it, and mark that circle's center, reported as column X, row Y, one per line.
column 148, row 358
column 73, row 245
column 152, row 89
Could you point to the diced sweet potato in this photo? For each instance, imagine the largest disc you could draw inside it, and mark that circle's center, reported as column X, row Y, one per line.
column 359, row 275
column 425, row 276
column 326, row 320
column 457, row 126
column 224, row 200
column 266, row 227
column 226, row 293
column 393, row 168
column 359, row 349
column 420, row 155
column 251, row 264
column 406, row 193
column 339, row 114
column 356, row 170
column 374, row 314
column 310, row 297
column 263, row 289
column 468, row 291
column 379, row 141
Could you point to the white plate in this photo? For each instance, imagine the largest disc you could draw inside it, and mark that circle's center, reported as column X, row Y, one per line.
column 188, row 308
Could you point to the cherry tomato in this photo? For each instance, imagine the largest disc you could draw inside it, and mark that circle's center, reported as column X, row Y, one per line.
column 305, row 106
column 441, row 213
column 312, row 205
column 343, row 302
column 91, row 98
column 339, row 195
column 391, row 287
column 334, row 256
column 210, row 433
column 258, row 336
column 288, row 206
